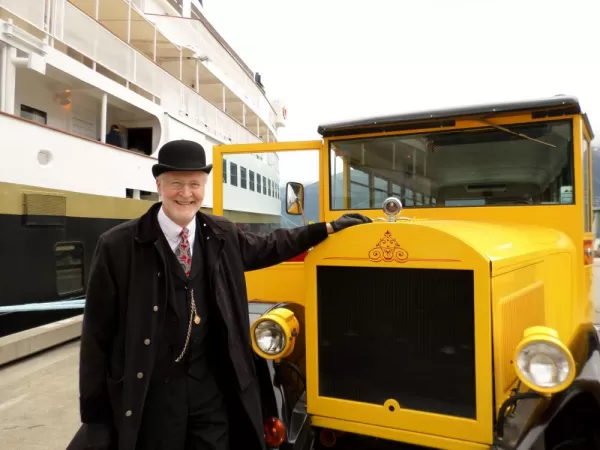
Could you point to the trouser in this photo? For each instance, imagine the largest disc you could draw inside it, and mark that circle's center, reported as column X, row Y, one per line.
column 184, row 414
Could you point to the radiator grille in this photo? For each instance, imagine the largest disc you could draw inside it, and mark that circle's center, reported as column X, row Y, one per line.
column 398, row 333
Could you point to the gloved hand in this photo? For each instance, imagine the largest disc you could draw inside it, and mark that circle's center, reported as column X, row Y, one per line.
column 349, row 220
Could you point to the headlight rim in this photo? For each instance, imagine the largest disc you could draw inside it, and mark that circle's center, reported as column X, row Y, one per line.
column 546, row 336
column 287, row 322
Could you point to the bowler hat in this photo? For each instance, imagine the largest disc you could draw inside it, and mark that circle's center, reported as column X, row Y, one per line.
column 181, row 155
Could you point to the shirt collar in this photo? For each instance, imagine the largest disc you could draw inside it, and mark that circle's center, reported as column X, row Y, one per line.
column 171, row 229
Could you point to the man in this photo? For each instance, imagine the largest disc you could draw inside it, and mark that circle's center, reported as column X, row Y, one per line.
column 166, row 361
column 115, row 137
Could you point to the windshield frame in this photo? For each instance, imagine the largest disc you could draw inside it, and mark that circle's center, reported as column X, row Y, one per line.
column 458, row 126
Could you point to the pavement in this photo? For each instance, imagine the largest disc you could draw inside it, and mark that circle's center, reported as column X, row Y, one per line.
column 39, row 402
column 39, row 395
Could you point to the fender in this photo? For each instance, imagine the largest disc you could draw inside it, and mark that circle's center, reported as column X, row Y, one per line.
column 276, row 400
column 536, row 418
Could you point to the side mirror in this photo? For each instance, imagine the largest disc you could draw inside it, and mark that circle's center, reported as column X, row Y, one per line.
column 294, row 200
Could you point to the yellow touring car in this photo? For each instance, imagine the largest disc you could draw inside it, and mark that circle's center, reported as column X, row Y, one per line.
column 463, row 316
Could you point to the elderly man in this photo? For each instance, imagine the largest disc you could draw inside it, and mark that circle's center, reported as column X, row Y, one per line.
column 166, row 359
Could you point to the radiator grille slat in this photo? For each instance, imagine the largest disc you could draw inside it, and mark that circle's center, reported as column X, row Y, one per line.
column 398, row 333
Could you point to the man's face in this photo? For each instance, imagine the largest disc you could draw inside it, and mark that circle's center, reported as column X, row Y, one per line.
column 182, row 194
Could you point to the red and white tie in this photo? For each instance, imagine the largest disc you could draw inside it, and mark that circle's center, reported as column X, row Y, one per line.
column 183, row 252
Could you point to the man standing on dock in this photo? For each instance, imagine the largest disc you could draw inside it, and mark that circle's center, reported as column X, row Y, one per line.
column 166, row 361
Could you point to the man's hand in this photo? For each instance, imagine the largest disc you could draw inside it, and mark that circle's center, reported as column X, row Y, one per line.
column 347, row 220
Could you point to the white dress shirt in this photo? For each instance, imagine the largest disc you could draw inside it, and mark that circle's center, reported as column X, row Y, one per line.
column 172, row 231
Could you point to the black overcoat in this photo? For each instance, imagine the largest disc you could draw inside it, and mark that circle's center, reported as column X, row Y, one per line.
column 125, row 308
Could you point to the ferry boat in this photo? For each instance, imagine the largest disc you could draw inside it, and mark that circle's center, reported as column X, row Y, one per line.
column 89, row 91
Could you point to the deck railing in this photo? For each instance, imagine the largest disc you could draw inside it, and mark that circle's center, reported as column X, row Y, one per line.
column 76, row 29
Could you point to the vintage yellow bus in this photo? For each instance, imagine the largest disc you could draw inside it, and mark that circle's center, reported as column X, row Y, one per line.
column 462, row 317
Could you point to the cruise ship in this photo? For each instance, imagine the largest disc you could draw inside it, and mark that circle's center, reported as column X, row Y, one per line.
column 89, row 91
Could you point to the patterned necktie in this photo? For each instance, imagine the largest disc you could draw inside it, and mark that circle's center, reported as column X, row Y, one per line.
column 183, row 252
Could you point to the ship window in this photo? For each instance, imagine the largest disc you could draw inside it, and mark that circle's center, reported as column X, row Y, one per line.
column 243, row 178
column 69, row 268
column 264, row 185
column 234, row 174
column 269, row 188
column 35, row 115
column 251, row 180
column 224, row 171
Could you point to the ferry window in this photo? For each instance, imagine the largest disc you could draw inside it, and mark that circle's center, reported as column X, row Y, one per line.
column 233, row 176
column 34, row 115
column 359, row 189
column 409, row 198
column 264, row 185
column 69, row 268
column 475, row 167
column 258, row 184
column 225, row 170
column 243, row 178
column 251, row 180
column 270, row 187
column 380, row 191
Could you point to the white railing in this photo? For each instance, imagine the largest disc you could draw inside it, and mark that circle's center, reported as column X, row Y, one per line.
column 222, row 60
column 76, row 29
column 79, row 31
column 31, row 11
column 205, row 114
column 194, row 33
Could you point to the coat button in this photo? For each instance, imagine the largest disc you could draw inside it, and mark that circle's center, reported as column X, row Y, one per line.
column 155, row 308
column 159, row 274
column 128, row 413
column 147, row 341
column 140, row 375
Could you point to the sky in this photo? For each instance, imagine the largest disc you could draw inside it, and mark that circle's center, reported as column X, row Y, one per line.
column 330, row 60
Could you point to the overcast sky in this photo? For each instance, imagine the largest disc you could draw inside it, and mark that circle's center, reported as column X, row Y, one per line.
column 337, row 59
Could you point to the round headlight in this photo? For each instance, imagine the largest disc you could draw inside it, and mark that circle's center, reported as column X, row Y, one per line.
column 544, row 363
column 270, row 337
column 274, row 334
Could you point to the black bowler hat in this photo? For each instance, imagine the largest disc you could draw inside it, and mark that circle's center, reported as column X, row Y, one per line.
column 181, row 155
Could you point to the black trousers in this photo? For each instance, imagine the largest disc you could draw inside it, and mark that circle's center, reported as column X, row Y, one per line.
column 184, row 413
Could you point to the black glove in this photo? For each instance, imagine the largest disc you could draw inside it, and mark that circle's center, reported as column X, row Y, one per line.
column 349, row 220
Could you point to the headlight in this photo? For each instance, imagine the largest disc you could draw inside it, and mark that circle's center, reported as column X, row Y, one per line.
column 270, row 338
column 543, row 362
column 274, row 334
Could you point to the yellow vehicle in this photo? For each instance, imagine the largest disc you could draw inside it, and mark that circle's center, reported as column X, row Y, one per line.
column 462, row 317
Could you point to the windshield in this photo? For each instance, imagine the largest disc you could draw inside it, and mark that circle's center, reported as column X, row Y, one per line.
column 516, row 165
